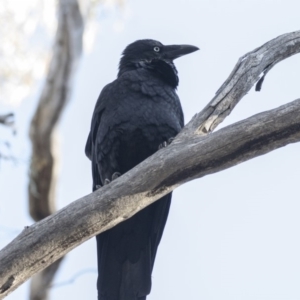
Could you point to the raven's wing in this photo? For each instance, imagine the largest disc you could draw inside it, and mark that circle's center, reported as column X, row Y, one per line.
column 90, row 149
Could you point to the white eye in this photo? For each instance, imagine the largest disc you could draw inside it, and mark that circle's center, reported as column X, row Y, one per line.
column 156, row 49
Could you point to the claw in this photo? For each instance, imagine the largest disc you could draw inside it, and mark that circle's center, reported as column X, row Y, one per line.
column 166, row 143
column 115, row 175
column 98, row 186
column 162, row 145
column 170, row 140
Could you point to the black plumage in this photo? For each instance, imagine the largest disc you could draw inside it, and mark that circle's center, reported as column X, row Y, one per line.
column 133, row 116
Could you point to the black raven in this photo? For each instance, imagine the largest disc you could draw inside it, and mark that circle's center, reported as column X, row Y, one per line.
column 134, row 115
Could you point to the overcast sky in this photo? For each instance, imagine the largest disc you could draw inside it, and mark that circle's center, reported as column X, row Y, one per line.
column 230, row 235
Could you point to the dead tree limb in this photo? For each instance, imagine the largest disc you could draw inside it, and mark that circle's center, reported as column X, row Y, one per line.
column 56, row 92
column 193, row 154
column 244, row 75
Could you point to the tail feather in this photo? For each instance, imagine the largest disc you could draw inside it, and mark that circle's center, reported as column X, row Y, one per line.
column 136, row 278
column 126, row 253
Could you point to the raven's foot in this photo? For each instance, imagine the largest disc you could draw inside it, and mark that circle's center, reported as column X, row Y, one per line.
column 98, row 186
column 113, row 177
column 166, row 143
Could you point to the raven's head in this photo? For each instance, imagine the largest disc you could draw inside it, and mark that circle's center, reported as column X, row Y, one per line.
column 154, row 56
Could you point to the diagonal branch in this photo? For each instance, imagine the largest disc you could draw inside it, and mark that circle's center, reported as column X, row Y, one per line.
column 190, row 156
column 244, row 75
column 41, row 244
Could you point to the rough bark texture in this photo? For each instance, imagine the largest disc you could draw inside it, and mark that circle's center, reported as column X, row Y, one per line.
column 244, row 75
column 193, row 154
column 67, row 49
column 55, row 94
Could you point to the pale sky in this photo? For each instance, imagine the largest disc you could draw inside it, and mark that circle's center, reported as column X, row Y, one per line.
column 231, row 235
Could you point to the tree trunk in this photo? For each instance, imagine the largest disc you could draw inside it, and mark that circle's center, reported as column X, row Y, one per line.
column 67, row 49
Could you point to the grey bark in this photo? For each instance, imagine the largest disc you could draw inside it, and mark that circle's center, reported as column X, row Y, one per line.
column 55, row 94
column 244, row 75
column 193, row 154
column 67, row 49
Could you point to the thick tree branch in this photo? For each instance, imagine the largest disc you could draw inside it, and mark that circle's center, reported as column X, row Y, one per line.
column 44, row 242
column 244, row 75
column 56, row 92
column 190, row 156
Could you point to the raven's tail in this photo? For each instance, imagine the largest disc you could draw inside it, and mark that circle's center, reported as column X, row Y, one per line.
column 126, row 253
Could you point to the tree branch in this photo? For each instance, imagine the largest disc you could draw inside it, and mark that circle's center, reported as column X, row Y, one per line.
column 244, row 75
column 190, row 156
column 44, row 242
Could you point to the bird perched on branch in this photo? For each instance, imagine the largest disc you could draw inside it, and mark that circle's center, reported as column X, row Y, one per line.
column 134, row 116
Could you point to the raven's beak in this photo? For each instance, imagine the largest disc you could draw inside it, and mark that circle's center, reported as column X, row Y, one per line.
column 175, row 51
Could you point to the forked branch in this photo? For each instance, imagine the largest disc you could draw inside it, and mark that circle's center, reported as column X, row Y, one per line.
column 193, row 154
